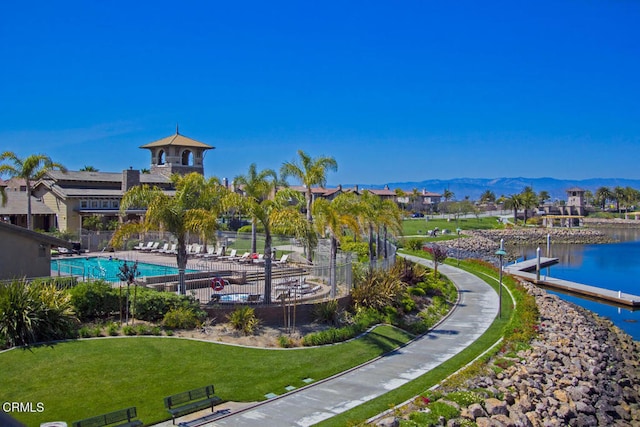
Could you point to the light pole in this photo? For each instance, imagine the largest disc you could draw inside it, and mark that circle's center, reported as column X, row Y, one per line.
column 458, row 230
column 501, row 253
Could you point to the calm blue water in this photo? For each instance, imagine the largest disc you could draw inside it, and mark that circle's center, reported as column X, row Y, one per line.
column 105, row 268
column 611, row 266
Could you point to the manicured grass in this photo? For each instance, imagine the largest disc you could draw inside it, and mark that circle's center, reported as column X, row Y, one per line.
column 79, row 379
column 419, row 226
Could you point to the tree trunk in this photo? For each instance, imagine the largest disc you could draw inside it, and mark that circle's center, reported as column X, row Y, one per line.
column 29, row 224
column 182, row 259
column 254, row 236
column 372, row 255
column 332, row 266
column 267, row 265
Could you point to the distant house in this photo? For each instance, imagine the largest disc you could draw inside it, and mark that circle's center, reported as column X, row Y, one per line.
column 25, row 253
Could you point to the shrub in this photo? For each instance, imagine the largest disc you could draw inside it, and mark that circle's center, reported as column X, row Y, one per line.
column 436, row 410
column 152, row 305
column 97, row 331
column 93, row 300
column 143, row 329
column 414, row 244
column 377, row 289
column 326, row 312
column 85, row 332
column 32, row 312
column 156, row 331
column 361, row 249
column 113, row 329
column 244, row 319
column 285, row 341
column 182, row 318
column 128, row 330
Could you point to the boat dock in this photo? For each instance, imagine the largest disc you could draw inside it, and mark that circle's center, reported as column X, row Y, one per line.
column 523, row 270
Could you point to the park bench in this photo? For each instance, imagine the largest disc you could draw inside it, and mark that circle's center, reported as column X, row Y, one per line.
column 191, row 401
column 112, row 418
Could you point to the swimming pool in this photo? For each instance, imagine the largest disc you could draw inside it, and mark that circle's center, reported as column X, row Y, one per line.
column 106, row 268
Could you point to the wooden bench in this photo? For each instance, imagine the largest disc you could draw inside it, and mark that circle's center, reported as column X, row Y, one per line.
column 127, row 415
column 191, row 401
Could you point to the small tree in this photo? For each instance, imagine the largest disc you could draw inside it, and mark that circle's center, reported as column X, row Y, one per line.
column 439, row 255
column 128, row 273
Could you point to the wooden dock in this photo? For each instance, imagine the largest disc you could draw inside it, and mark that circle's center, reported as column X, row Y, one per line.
column 523, row 270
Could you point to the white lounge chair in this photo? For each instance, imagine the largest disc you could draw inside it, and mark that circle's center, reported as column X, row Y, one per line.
column 282, row 261
column 151, row 246
column 141, row 246
column 230, row 257
column 164, row 248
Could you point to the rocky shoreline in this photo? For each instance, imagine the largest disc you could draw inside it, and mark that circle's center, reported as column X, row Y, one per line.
column 483, row 244
column 580, row 371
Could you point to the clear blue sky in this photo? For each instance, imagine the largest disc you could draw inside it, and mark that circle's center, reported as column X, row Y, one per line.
column 395, row 91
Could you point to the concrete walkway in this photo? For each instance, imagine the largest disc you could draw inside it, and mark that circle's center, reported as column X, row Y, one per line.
column 476, row 310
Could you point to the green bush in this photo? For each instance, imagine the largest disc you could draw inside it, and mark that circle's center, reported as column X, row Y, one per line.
column 143, row 329
column 113, row 329
column 35, row 312
column 361, row 249
column 95, row 300
column 85, row 332
column 152, row 305
column 182, row 318
column 414, row 244
column 285, row 341
column 128, row 330
column 436, row 410
column 244, row 319
column 326, row 312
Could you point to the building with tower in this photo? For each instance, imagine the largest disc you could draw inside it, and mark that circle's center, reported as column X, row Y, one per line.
column 62, row 200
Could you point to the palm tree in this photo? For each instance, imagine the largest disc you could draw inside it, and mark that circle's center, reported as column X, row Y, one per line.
column 543, row 196
column 488, row 197
column 309, row 172
column 275, row 212
column 332, row 218
column 30, row 169
column 194, row 208
column 602, row 195
column 619, row 196
column 375, row 214
column 513, row 202
column 529, row 200
column 257, row 186
column 88, row 169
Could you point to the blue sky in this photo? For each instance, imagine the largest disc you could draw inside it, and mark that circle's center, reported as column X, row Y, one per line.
column 395, row 91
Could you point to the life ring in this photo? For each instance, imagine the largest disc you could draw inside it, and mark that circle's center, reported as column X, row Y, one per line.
column 217, row 284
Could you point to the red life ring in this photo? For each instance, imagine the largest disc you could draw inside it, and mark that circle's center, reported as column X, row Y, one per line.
column 217, row 284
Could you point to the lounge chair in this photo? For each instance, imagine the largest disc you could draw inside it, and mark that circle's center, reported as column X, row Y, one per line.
column 164, row 248
column 151, row 246
column 213, row 253
column 141, row 246
column 282, row 261
column 172, row 251
column 229, row 257
column 259, row 259
column 246, row 257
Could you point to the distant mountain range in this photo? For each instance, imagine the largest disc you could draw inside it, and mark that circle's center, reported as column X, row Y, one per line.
column 474, row 187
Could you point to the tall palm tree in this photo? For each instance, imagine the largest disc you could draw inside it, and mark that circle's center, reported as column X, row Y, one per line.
column 31, row 169
column 195, row 207
column 309, row 172
column 88, row 169
column 619, row 196
column 529, row 200
column 332, row 218
column 279, row 212
column 377, row 216
column 257, row 186
column 513, row 202
column 602, row 195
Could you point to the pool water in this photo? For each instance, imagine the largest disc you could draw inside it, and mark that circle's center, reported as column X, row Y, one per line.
column 107, row 268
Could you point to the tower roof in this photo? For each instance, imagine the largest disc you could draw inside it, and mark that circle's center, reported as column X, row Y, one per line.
column 177, row 140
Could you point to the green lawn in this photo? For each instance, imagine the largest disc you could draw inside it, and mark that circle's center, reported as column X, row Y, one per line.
column 420, row 226
column 79, row 379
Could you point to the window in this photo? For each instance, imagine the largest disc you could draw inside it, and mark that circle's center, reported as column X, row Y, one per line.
column 105, row 204
column 115, row 204
column 84, row 204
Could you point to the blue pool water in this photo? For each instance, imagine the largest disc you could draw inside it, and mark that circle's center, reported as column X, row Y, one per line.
column 106, row 268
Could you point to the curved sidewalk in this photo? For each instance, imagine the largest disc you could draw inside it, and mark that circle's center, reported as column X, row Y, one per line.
column 476, row 310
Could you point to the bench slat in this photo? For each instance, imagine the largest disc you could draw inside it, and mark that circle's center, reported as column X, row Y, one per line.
column 110, row 418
